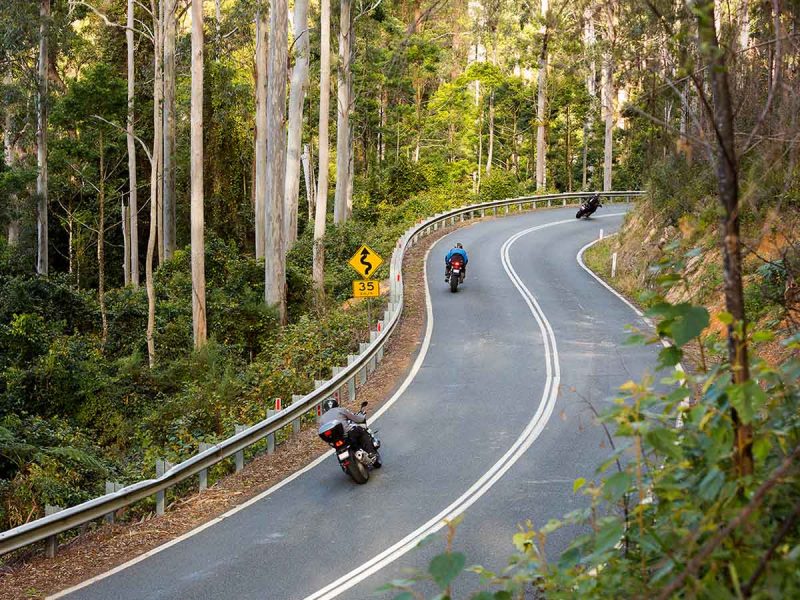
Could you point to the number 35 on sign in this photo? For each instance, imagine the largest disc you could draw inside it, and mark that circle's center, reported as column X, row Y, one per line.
column 366, row 288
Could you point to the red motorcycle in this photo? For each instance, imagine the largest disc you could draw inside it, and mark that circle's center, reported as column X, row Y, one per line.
column 456, row 272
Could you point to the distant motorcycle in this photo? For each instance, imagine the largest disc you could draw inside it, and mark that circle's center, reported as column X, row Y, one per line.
column 354, row 460
column 456, row 272
column 588, row 208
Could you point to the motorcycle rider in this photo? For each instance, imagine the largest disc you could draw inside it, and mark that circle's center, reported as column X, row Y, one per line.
column 459, row 249
column 351, row 422
column 594, row 201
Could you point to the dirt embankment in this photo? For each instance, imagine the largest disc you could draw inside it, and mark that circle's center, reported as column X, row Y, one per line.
column 31, row 575
column 771, row 265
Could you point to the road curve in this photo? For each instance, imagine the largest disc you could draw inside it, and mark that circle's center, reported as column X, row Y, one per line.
column 495, row 423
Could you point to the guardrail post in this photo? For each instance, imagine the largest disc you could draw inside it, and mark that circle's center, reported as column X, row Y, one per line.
column 338, row 392
column 239, row 456
column 296, row 422
column 51, row 543
column 483, row 212
column 564, row 202
column 271, row 436
column 367, row 370
column 203, row 475
column 318, row 383
column 162, row 466
column 111, row 487
column 351, row 383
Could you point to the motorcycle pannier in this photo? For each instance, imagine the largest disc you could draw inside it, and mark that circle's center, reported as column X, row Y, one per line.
column 331, row 432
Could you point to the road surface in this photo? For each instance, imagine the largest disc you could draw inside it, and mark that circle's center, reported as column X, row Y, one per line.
column 494, row 423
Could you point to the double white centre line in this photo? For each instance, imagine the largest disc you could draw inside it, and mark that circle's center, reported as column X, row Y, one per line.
column 532, row 431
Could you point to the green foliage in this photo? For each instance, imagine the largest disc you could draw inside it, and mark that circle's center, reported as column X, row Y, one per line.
column 46, row 461
column 675, row 187
column 499, row 185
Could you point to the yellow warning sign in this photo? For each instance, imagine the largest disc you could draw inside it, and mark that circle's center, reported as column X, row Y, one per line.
column 366, row 288
column 366, row 261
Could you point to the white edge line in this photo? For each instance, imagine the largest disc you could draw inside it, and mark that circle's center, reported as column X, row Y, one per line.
column 531, row 432
column 649, row 322
column 409, row 378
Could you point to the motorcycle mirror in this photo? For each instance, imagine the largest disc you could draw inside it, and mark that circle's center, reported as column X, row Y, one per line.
column 363, row 404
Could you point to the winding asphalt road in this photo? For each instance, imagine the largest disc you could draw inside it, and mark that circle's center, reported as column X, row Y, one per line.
column 495, row 423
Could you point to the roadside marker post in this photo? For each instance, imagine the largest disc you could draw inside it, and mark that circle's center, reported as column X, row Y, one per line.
column 613, row 265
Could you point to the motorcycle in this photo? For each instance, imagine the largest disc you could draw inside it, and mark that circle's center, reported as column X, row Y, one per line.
column 354, row 460
column 588, row 208
column 456, row 272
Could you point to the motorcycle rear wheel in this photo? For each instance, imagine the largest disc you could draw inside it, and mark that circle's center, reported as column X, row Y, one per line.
column 453, row 283
column 358, row 471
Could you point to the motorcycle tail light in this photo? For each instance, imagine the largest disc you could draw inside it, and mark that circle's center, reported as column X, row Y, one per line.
column 328, row 433
column 339, row 443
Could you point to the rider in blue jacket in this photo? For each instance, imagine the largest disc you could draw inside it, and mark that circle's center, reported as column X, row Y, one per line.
column 459, row 249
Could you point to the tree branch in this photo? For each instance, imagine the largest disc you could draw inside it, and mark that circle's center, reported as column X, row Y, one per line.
column 697, row 561
column 108, row 21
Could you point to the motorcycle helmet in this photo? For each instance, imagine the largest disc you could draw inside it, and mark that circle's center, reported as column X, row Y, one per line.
column 329, row 404
column 458, row 245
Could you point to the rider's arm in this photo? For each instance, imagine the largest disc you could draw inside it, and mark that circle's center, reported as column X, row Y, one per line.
column 355, row 418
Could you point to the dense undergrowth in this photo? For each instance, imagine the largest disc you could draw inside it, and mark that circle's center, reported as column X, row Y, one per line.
column 75, row 412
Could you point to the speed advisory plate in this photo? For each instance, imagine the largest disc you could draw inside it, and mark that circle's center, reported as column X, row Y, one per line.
column 366, row 288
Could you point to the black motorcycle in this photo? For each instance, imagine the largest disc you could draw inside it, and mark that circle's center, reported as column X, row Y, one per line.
column 588, row 208
column 353, row 459
column 456, row 272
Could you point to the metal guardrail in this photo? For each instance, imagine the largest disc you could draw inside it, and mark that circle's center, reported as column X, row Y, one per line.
column 46, row 528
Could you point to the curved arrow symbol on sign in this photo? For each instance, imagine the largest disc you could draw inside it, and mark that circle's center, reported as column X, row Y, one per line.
column 363, row 260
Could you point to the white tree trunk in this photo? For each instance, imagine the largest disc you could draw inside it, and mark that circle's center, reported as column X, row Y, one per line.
column 296, row 97
column 490, row 151
column 155, row 179
column 261, row 127
column 308, row 172
column 133, row 203
column 607, row 94
column 101, row 243
column 196, row 175
column 589, row 39
column 541, row 102
column 343, row 115
column 321, row 211
column 42, row 263
column 274, row 255
column 744, row 24
column 168, row 204
column 382, row 100
column 9, row 158
column 158, row 135
column 126, row 243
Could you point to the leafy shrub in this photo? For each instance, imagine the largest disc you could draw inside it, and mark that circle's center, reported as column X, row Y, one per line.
column 675, row 187
column 45, row 461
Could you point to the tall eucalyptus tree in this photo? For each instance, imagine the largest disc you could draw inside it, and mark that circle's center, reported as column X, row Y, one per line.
column 321, row 210
column 196, row 176
column 297, row 92
column 274, row 255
